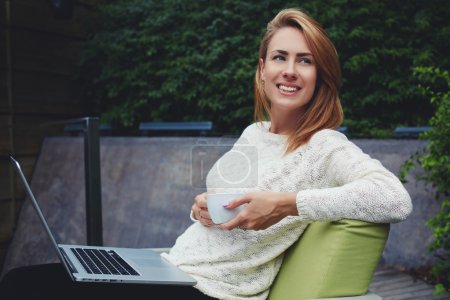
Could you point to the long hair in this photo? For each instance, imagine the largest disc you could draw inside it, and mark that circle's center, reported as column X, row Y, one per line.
column 324, row 110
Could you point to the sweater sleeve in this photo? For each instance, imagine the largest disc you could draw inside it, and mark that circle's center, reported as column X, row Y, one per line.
column 353, row 185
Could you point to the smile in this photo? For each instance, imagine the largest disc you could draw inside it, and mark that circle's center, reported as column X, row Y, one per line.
column 289, row 89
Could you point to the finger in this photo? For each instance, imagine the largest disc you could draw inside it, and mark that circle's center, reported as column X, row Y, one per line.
column 203, row 202
column 204, row 215
column 200, row 200
column 208, row 223
column 239, row 201
column 232, row 224
column 195, row 209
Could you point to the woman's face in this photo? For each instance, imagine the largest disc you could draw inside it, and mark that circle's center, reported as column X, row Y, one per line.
column 289, row 71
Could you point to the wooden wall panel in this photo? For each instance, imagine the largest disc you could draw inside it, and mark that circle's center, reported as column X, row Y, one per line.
column 45, row 93
column 5, row 182
column 5, row 125
column 6, row 194
column 7, row 217
column 42, row 52
column 4, row 106
column 28, row 132
column 37, row 14
column 2, row 46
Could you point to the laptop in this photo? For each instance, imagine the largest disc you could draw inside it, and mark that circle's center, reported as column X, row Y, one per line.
column 110, row 264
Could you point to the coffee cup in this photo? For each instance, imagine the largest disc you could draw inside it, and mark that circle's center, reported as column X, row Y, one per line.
column 216, row 202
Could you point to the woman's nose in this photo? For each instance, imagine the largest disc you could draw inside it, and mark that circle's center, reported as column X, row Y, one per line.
column 290, row 73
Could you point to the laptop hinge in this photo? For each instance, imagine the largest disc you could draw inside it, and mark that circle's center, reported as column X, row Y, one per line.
column 69, row 263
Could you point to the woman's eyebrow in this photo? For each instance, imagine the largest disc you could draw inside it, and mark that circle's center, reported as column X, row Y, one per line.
column 300, row 54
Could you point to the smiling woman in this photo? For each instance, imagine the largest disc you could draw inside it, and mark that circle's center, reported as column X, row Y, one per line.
column 301, row 64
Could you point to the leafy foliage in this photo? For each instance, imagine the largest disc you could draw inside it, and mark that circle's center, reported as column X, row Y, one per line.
column 195, row 60
column 437, row 164
column 380, row 43
column 435, row 161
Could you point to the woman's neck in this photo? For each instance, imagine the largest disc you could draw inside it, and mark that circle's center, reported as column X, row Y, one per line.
column 282, row 122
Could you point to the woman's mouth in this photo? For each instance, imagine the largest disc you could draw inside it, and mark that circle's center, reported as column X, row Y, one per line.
column 287, row 89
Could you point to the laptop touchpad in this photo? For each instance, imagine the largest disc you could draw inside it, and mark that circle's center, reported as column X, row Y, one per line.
column 149, row 263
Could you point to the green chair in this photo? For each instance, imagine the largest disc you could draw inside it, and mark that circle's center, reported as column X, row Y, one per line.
column 332, row 259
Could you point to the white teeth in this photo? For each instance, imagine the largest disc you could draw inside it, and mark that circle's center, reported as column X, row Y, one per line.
column 287, row 88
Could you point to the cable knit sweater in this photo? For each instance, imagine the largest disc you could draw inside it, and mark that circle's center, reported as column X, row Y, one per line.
column 333, row 180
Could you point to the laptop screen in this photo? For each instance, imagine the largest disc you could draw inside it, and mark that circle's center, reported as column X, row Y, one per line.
column 39, row 212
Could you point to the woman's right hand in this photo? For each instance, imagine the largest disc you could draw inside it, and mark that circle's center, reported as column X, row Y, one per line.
column 200, row 210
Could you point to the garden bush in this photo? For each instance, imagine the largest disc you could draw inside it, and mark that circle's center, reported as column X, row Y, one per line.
column 176, row 60
column 434, row 159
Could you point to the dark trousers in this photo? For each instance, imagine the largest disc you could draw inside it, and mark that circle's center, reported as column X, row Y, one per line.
column 50, row 281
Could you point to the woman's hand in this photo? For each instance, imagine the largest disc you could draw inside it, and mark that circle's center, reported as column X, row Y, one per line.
column 200, row 210
column 262, row 211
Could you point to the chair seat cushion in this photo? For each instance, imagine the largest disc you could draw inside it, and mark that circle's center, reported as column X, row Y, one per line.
column 331, row 259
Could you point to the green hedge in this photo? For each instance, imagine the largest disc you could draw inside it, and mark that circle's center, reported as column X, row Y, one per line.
column 434, row 159
column 175, row 60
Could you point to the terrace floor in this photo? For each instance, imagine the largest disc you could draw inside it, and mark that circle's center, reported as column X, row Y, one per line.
column 391, row 284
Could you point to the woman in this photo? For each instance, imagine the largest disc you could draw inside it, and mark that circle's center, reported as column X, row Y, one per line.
column 307, row 171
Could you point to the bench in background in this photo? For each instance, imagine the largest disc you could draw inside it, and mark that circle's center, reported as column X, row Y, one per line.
column 200, row 128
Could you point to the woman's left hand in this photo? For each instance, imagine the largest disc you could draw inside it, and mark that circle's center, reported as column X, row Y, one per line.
column 262, row 211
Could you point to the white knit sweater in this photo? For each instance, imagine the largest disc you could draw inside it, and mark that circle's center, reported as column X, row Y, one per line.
column 333, row 179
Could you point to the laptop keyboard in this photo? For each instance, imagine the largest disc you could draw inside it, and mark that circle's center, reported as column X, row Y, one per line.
column 99, row 261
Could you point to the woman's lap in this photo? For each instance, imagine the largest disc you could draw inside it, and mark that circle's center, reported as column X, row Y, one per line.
column 50, row 281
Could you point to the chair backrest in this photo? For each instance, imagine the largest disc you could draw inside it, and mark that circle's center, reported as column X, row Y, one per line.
column 331, row 259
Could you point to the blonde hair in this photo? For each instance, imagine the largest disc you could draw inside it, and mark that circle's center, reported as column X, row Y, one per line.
column 324, row 110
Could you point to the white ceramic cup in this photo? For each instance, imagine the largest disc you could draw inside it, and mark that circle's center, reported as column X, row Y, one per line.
column 220, row 214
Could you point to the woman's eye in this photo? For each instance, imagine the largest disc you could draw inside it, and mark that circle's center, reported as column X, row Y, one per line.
column 279, row 57
column 304, row 60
